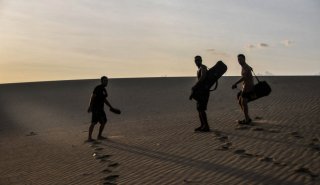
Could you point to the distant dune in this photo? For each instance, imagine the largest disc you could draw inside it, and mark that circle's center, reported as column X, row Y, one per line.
column 43, row 127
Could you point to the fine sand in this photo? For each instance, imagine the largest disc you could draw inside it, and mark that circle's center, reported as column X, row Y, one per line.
column 43, row 127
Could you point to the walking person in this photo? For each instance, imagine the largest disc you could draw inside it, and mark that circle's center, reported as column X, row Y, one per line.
column 96, row 107
column 247, row 88
column 202, row 102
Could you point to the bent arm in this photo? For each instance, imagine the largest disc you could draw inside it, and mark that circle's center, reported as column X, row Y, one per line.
column 239, row 81
column 107, row 103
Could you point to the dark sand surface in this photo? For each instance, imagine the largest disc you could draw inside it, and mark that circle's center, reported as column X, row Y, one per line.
column 43, row 127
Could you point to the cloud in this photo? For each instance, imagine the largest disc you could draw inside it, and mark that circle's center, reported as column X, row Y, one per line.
column 218, row 53
column 250, row 46
column 267, row 73
column 263, row 45
column 254, row 46
column 287, row 43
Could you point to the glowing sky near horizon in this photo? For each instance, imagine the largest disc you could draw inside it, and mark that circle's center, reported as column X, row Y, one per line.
column 79, row 39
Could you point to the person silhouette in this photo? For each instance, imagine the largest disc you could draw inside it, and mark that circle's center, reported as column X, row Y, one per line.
column 247, row 88
column 202, row 102
column 96, row 107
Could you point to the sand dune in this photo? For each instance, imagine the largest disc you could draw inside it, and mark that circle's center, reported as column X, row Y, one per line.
column 43, row 127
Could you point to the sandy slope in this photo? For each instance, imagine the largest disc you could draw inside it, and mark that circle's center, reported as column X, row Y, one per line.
column 43, row 126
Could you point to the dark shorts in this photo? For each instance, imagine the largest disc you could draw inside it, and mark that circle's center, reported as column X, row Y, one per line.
column 248, row 95
column 202, row 102
column 99, row 116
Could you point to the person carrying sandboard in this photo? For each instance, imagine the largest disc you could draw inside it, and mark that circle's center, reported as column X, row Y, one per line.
column 96, row 107
column 201, row 90
column 247, row 88
column 203, row 98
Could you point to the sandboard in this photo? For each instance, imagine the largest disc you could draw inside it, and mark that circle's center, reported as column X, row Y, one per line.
column 212, row 76
column 261, row 89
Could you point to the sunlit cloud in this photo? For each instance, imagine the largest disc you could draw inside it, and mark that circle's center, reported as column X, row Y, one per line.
column 267, row 73
column 256, row 46
column 287, row 43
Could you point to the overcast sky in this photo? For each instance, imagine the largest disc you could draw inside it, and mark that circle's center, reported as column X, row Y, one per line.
column 79, row 39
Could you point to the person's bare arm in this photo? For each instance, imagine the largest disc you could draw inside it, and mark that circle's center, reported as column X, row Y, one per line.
column 91, row 102
column 203, row 72
column 239, row 81
column 107, row 103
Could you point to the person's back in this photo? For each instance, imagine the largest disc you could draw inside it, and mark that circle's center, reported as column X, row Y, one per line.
column 100, row 96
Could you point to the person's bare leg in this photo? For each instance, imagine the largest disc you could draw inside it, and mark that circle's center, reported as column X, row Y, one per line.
column 240, row 103
column 201, row 122
column 245, row 109
column 101, row 130
column 90, row 132
column 204, row 124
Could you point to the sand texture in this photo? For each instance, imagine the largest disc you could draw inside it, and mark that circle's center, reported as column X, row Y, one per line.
column 43, row 127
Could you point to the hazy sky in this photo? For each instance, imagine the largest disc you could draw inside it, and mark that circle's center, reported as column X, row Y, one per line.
column 78, row 39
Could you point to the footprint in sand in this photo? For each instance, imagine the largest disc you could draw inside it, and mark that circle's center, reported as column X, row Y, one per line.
column 305, row 171
column 266, row 159
column 98, row 149
column 243, row 153
column 223, row 138
column 107, row 170
column 31, row 134
column 279, row 163
column 242, row 127
column 225, row 146
column 258, row 129
column 296, row 135
column 114, row 165
column 239, row 151
column 315, row 139
column 274, row 131
column 315, row 146
column 93, row 143
column 111, row 179
column 102, row 158
column 109, row 183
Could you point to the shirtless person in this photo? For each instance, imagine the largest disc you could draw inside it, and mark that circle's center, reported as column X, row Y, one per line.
column 203, row 101
column 247, row 88
column 97, row 101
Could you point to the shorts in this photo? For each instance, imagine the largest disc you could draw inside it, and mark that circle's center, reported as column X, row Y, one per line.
column 248, row 95
column 99, row 116
column 202, row 101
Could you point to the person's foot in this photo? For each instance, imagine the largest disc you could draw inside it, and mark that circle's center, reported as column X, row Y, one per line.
column 205, row 129
column 198, row 129
column 90, row 140
column 101, row 138
column 245, row 122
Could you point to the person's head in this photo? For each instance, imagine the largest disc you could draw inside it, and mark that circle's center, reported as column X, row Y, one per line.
column 198, row 60
column 104, row 80
column 241, row 59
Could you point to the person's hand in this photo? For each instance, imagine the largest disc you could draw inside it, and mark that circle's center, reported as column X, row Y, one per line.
column 89, row 109
column 234, row 86
column 114, row 110
column 190, row 97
